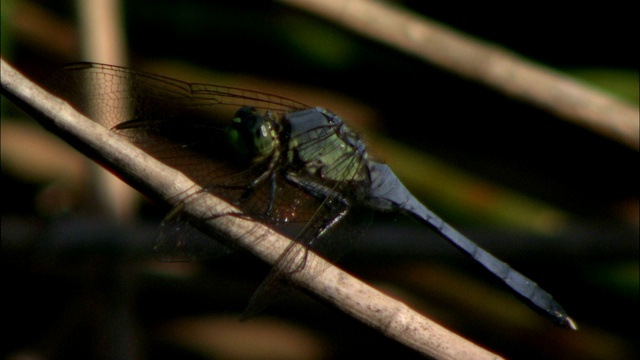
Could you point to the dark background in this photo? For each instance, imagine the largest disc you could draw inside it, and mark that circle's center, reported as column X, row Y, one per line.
column 78, row 286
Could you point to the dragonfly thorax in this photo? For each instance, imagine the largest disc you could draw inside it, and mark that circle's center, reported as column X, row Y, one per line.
column 251, row 134
column 324, row 147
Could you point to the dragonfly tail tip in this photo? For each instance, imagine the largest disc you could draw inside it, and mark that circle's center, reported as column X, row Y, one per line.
column 569, row 323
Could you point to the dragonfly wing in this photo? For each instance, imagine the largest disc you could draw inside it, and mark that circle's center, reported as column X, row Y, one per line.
column 181, row 124
column 179, row 239
column 111, row 95
column 318, row 235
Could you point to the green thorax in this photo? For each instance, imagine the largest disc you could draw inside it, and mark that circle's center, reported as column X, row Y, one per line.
column 324, row 146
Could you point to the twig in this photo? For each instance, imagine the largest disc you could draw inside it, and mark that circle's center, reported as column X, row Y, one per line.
column 486, row 63
column 361, row 301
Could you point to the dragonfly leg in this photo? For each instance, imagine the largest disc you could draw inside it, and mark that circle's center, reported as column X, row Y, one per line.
column 331, row 199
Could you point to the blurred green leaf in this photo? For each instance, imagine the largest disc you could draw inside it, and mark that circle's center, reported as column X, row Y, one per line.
column 620, row 82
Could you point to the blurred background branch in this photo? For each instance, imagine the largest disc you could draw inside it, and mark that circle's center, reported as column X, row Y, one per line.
column 486, row 63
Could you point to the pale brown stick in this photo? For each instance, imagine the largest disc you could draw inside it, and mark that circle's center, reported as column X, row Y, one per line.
column 486, row 63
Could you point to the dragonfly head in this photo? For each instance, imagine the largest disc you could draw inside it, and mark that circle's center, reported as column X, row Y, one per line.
column 251, row 135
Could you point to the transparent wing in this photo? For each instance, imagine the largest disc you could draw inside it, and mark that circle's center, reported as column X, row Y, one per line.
column 182, row 124
column 115, row 94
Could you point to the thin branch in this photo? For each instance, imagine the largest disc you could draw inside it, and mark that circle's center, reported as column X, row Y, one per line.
column 361, row 301
column 486, row 63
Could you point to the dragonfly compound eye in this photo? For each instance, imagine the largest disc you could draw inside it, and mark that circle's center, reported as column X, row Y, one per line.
column 251, row 134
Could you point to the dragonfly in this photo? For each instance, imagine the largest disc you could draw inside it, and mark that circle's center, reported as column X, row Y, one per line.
column 281, row 162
